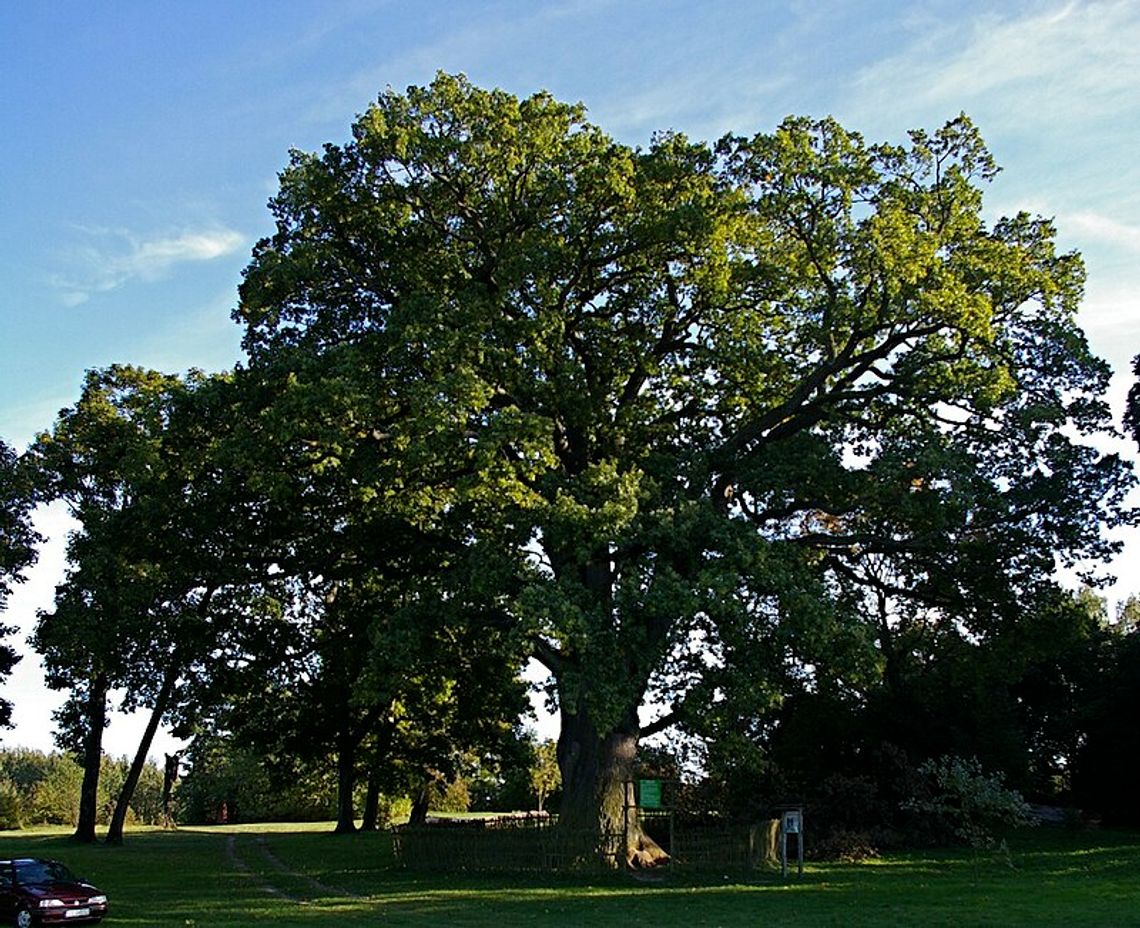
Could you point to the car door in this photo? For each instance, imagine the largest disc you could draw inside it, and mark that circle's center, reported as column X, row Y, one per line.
column 7, row 891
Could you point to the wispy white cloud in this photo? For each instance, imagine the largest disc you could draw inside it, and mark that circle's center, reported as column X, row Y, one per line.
column 623, row 58
column 1104, row 230
column 1077, row 61
column 1055, row 88
column 109, row 258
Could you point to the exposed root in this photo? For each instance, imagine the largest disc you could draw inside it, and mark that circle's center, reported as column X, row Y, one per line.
column 644, row 853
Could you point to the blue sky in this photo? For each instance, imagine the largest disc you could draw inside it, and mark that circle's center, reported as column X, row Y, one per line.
column 142, row 140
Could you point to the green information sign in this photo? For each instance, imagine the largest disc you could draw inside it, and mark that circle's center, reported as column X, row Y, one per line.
column 649, row 791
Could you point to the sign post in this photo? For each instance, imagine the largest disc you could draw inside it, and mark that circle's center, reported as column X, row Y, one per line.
column 649, row 794
column 791, row 823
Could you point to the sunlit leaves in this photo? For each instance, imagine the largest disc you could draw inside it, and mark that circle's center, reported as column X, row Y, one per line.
column 702, row 407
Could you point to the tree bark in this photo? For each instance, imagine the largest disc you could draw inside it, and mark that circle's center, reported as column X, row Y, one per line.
column 596, row 770
column 378, row 755
column 169, row 778
column 92, row 760
column 119, row 819
column 346, row 744
column 371, row 817
column 420, row 806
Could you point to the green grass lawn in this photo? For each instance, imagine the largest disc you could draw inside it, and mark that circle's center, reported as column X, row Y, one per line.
column 296, row 875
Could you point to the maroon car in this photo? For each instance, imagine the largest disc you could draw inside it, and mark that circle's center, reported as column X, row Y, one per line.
column 45, row 892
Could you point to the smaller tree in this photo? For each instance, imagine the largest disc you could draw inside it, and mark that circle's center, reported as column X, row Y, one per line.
column 100, row 457
column 545, row 777
column 970, row 803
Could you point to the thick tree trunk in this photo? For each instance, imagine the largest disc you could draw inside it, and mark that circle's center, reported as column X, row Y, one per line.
column 597, row 768
column 346, row 744
column 119, row 819
column 92, row 760
column 371, row 817
column 385, row 729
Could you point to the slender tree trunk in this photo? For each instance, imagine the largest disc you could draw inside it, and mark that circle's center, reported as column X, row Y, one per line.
column 92, row 760
column 345, row 782
column 119, row 819
column 169, row 778
column 420, row 806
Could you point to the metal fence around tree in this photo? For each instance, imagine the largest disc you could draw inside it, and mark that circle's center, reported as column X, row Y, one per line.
column 510, row 843
column 519, row 844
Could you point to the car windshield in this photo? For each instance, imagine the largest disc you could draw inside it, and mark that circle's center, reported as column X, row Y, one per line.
column 43, row 871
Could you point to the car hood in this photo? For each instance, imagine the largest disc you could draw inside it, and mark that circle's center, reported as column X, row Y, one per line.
column 61, row 890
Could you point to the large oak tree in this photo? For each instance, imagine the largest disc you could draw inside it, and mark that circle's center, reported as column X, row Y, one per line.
column 694, row 408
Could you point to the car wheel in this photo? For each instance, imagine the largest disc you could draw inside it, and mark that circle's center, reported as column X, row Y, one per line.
column 24, row 919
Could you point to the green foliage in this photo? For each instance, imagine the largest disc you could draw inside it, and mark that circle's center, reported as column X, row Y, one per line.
column 971, row 804
column 1132, row 409
column 11, row 807
column 43, row 789
column 449, row 796
column 545, row 776
column 17, row 548
column 393, row 810
column 717, row 424
column 17, row 538
column 1036, row 701
column 226, row 775
column 56, row 797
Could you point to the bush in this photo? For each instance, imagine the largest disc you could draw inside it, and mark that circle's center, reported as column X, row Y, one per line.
column 449, row 796
column 11, row 808
column 846, row 846
column 967, row 803
column 393, row 810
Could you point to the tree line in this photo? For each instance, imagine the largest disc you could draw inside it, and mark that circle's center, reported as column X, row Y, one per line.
column 43, row 789
column 740, row 441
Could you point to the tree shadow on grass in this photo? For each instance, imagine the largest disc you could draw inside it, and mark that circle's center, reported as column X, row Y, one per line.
column 184, row 879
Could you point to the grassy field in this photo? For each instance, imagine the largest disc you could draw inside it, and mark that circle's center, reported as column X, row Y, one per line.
column 292, row 875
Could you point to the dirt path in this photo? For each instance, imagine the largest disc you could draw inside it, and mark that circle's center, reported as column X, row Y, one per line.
column 318, row 888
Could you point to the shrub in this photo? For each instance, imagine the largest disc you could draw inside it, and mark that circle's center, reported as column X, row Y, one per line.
column 846, row 846
column 969, row 804
column 394, row 809
column 11, row 808
column 449, row 796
